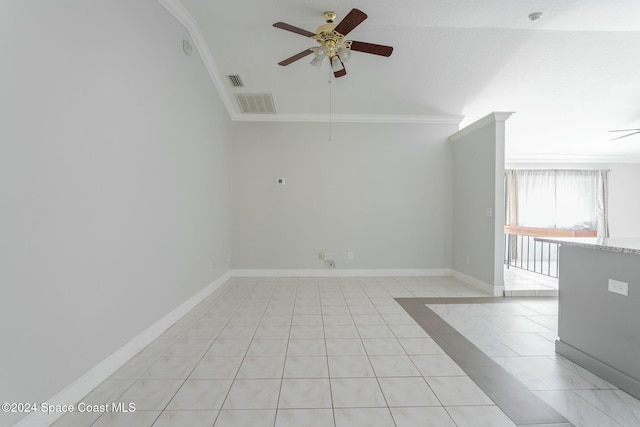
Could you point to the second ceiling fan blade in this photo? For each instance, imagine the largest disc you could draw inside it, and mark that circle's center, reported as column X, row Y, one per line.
column 637, row 131
column 295, row 57
column 293, row 29
column 375, row 49
column 351, row 21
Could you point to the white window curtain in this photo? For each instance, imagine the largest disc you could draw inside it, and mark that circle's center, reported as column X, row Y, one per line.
column 565, row 199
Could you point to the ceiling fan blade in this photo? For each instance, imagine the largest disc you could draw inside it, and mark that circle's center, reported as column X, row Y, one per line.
column 637, row 131
column 340, row 73
column 351, row 21
column 297, row 30
column 295, row 57
column 624, row 130
column 375, row 49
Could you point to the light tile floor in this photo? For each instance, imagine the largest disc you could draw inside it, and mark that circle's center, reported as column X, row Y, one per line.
column 520, row 337
column 519, row 282
column 342, row 352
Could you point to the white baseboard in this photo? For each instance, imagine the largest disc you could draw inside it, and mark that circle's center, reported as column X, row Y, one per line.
column 496, row 291
column 103, row 370
column 381, row 272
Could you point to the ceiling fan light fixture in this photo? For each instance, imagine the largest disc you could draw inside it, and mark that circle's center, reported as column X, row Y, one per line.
column 317, row 61
column 344, row 54
column 318, row 51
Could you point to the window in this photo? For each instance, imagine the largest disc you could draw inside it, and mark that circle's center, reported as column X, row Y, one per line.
column 566, row 199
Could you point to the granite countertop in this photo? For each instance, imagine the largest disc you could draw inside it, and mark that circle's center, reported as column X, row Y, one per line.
column 626, row 245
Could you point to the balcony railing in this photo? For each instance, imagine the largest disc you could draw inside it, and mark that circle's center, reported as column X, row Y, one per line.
column 523, row 251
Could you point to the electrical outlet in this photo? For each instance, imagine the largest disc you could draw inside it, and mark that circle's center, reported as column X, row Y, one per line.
column 321, row 256
column 618, row 287
column 212, row 265
column 327, row 256
column 350, row 255
column 468, row 260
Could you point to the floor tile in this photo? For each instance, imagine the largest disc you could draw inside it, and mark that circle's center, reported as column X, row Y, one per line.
column 616, row 404
column 75, row 419
column 356, row 393
column 516, row 324
column 306, row 319
column 341, row 331
column 408, row 331
column 306, row 331
column 335, row 309
column 364, row 417
column 577, row 410
column 108, row 391
column 237, row 332
column 149, row 395
column 368, row 319
column 200, row 395
column 542, row 373
column 304, row 418
column 134, row 368
column 228, row 348
column 261, row 367
column 267, row 347
column 189, row 347
column 423, row 417
column 393, row 366
column 345, row 347
column 416, row 346
column 137, row 418
column 436, row 365
column 350, row 366
column 246, row 418
column 273, row 332
column 216, row 368
column 409, row 391
column 253, row 394
column 479, row 416
column 175, row 367
column 458, row 391
column 186, row 419
column 305, row 393
column 383, row 347
column 306, row 367
column 306, row 347
column 375, row 331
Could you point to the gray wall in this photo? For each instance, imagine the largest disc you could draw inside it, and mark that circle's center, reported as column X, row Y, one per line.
column 382, row 191
column 478, row 169
column 115, row 157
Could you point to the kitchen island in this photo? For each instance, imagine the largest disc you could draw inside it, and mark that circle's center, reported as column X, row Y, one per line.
column 598, row 325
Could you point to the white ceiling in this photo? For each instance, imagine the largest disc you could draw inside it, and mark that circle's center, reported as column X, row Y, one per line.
column 569, row 77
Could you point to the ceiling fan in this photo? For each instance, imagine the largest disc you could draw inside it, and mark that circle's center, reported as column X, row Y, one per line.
column 332, row 43
column 629, row 132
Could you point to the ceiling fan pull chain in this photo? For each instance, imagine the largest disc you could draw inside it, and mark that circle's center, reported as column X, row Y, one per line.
column 330, row 103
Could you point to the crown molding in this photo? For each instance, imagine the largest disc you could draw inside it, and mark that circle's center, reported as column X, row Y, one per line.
column 178, row 11
column 571, row 158
column 496, row 116
column 350, row 118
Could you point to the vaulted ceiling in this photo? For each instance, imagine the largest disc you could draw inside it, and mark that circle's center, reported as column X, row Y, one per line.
column 570, row 76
